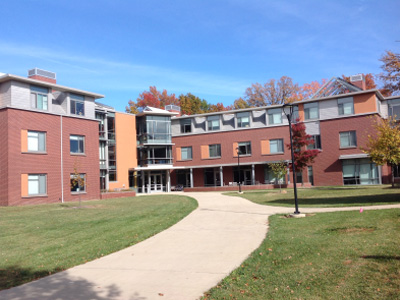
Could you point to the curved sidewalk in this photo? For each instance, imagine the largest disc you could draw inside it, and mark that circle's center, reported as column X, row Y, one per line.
column 181, row 262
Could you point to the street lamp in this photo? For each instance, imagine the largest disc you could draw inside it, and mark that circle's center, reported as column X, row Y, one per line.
column 288, row 111
column 238, row 152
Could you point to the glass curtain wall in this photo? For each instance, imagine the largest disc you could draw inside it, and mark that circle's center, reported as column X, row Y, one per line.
column 359, row 171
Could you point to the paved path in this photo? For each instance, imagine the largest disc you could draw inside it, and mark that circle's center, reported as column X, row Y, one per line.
column 181, row 262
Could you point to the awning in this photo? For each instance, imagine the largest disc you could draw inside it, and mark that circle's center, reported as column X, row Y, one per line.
column 354, row 156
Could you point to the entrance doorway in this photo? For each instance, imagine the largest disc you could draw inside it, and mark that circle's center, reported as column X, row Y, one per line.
column 156, row 183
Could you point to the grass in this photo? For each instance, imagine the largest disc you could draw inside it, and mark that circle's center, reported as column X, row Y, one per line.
column 341, row 255
column 36, row 241
column 325, row 196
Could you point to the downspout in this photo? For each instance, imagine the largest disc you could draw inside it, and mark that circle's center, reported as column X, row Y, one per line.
column 62, row 165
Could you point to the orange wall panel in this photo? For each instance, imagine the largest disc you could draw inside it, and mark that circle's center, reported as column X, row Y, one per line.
column 125, row 135
column 235, row 145
column 24, row 185
column 301, row 112
column 365, row 103
column 205, row 153
column 24, row 140
column 264, row 147
column 178, row 154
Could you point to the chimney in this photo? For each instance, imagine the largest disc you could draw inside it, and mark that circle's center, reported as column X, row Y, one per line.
column 359, row 81
column 42, row 75
column 174, row 109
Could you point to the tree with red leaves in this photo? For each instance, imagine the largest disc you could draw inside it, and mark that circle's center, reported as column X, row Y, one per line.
column 302, row 156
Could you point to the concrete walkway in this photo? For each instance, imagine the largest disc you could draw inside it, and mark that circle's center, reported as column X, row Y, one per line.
column 181, row 262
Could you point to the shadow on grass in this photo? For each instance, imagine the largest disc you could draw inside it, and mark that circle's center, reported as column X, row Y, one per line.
column 57, row 286
column 349, row 201
column 381, row 257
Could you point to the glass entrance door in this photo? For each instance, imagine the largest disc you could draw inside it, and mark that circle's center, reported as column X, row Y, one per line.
column 156, row 183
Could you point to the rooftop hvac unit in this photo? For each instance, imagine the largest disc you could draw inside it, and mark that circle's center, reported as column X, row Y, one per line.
column 42, row 73
column 358, row 77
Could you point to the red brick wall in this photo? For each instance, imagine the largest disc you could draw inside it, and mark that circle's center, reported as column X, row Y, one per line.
column 3, row 158
column 327, row 167
column 50, row 164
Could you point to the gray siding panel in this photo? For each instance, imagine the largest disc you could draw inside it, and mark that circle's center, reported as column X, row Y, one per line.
column 384, row 109
column 59, row 105
column 328, row 109
column 199, row 125
column 89, row 107
column 312, row 128
column 5, row 93
column 175, row 127
column 258, row 118
column 228, row 122
column 20, row 95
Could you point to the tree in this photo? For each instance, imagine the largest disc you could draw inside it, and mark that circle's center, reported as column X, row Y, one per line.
column 190, row 104
column 216, row 107
column 370, row 84
column 152, row 98
column 271, row 93
column 240, row 103
column 384, row 147
column 279, row 169
column 302, row 155
column 391, row 72
column 77, row 181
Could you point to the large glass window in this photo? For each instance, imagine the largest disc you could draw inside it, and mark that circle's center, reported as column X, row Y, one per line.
column 394, row 108
column 155, row 130
column 346, row 106
column 77, row 105
column 39, row 97
column 244, row 148
column 275, row 116
column 186, row 153
column 243, row 119
column 152, row 155
column 215, row 150
column 37, row 184
column 213, row 123
column 77, row 144
column 359, row 171
column 276, row 146
column 78, row 183
column 186, row 125
column 270, row 178
column 348, row 139
column 311, row 111
column 317, row 142
column 36, row 141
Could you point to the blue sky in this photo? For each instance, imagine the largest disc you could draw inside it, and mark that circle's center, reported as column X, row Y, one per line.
column 213, row 49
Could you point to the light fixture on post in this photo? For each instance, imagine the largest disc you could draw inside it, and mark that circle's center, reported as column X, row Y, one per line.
column 238, row 155
column 288, row 111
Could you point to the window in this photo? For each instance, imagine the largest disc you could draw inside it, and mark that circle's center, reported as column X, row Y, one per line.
column 348, row 139
column 78, row 183
column 270, row 177
column 77, row 105
column 37, row 184
column 36, row 141
column 394, row 108
column 310, row 175
column 39, row 98
column 359, row 171
column 317, row 142
column 77, row 144
column 295, row 114
column 186, row 126
column 275, row 116
column 213, row 123
column 215, row 150
column 244, row 148
column 276, row 146
column 346, row 106
column 243, row 119
column 311, row 111
column 186, row 153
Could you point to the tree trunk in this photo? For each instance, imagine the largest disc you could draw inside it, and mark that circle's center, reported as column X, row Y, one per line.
column 392, row 168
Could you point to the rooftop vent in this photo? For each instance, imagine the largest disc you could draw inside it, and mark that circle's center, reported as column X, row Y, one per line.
column 355, row 78
column 42, row 75
column 172, row 107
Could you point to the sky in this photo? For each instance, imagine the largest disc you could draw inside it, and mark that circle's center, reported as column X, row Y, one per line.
column 213, row 49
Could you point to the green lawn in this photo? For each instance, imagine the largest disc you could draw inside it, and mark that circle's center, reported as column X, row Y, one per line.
column 341, row 255
column 325, row 196
column 36, row 241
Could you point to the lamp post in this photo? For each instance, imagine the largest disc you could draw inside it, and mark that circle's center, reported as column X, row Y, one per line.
column 288, row 111
column 238, row 154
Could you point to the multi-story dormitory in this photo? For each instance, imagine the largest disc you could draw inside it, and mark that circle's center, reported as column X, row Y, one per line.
column 52, row 133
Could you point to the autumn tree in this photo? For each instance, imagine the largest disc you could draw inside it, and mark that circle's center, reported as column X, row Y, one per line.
column 384, row 147
column 271, row 93
column 190, row 104
column 391, row 72
column 302, row 156
column 153, row 98
column 279, row 169
column 77, row 182
column 240, row 103
column 216, row 107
